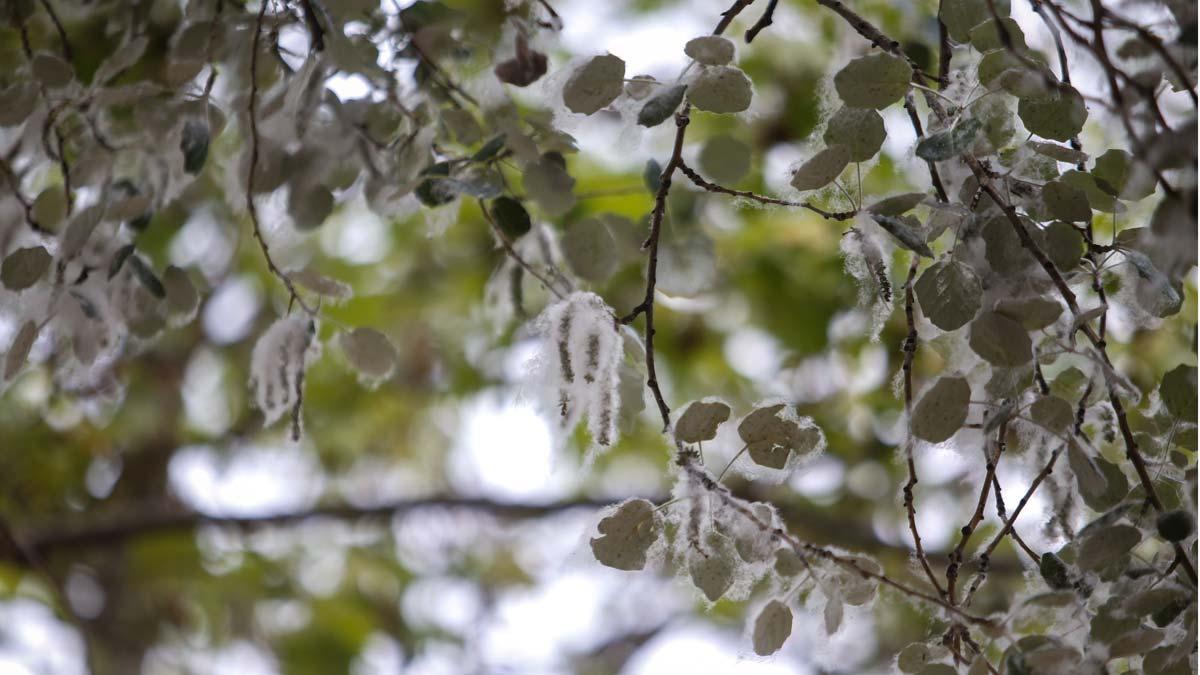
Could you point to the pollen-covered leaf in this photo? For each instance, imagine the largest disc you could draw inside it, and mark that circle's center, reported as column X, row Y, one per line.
column 897, row 204
column 861, row 130
column 950, row 143
column 771, row 439
column 720, row 89
column 24, row 267
column 948, row 294
column 595, row 84
column 907, row 231
column 834, row 610
column 772, row 628
column 1000, row 340
column 370, row 352
column 711, row 50
column 661, row 106
column 627, row 533
column 712, row 570
column 874, row 81
column 590, row 249
column 960, row 16
column 822, row 168
column 942, row 411
column 700, row 420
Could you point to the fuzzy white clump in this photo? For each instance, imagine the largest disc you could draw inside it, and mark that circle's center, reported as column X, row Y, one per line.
column 865, row 261
column 579, row 364
column 277, row 365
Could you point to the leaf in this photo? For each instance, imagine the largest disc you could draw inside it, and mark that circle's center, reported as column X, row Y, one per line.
column 822, row 168
column 861, row 130
column 549, row 185
column 118, row 260
column 1120, row 175
column 310, row 205
column 51, row 70
column 19, row 99
column 146, row 276
column 772, row 628
column 18, row 351
column 511, row 217
column 1053, row 413
column 1054, row 571
column 639, row 87
column 772, row 439
column 1059, row 117
column 725, row 160
column 1159, row 295
column 917, row 655
column 874, row 81
column 1106, row 546
column 905, row 229
column 950, row 143
column 834, row 610
column 897, row 205
column 181, row 295
column 370, row 352
column 711, row 572
column 1058, row 152
column 490, row 149
column 1063, row 245
column 1033, row 313
column 25, row 266
column 661, row 106
column 193, row 144
column 1066, row 202
column 700, row 420
column 590, row 249
column 960, row 16
column 710, row 50
column 1178, row 392
column 720, row 89
column 787, row 563
column 627, row 533
column 1134, row 643
column 523, row 69
column 121, row 59
column 1000, row 340
column 595, row 84
column 949, row 294
column 942, row 411
column 652, row 176
column 987, row 36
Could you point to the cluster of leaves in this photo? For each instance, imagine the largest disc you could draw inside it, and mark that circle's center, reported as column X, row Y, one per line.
column 1010, row 286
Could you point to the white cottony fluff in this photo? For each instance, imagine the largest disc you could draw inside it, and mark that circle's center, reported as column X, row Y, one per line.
column 581, row 353
column 278, row 362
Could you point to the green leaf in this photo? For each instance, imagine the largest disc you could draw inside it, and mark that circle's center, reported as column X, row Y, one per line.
column 1120, row 175
column 1000, row 340
column 1059, row 117
column 490, row 149
column 1063, row 245
column 712, row 570
column 725, row 159
column 950, row 143
column 897, row 205
column 1058, row 152
column 1178, row 392
column 652, row 176
column 822, row 168
column 511, row 217
column 627, row 533
column 147, row 277
column 960, row 16
column 595, row 84
column 907, row 231
column 1054, row 571
column 661, row 106
column 720, row 89
column 194, row 146
column 1033, row 313
column 772, row 628
column 771, row 439
column 1066, row 202
column 949, row 294
column 942, row 411
column 1053, row 413
column 700, row 420
column 1176, row 525
column 182, row 298
column 860, row 130
column 710, row 50
column 370, row 352
column 24, row 267
column 18, row 350
column 987, row 36
column 874, row 81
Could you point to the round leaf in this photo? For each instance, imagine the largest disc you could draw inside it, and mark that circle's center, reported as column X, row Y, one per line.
column 700, row 421
column 873, row 81
column 772, row 628
column 720, row 89
column 1000, row 340
column 822, row 169
column 711, row 50
column 595, row 84
column 626, row 534
column 942, row 411
column 948, row 294
column 860, row 130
